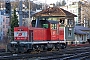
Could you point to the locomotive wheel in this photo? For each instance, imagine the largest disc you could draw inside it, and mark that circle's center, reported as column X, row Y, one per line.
column 49, row 49
column 42, row 48
column 29, row 50
column 45, row 48
column 8, row 48
column 57, row 47
column 63, row 46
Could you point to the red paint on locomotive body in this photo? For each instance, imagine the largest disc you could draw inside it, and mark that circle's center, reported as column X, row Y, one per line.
column 54, row 35
column 61, row 34
column 39, row 34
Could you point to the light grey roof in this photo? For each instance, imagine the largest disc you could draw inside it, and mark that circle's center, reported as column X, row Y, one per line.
column 81, row 29
column 79, row 32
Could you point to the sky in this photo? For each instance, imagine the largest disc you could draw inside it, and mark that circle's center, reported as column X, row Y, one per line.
column 53, row 1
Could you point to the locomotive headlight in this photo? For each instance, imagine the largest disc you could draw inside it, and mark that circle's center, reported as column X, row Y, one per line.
column 37, row 46
column 24, row 48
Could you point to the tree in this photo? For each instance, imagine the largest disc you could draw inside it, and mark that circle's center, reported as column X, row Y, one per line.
column 58, row 3
column 86, row 13
column 14, row 22
column 63, row 3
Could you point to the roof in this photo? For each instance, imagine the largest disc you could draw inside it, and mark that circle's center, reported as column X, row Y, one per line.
column 79, row 32
column 81, row 29
column 54, row 11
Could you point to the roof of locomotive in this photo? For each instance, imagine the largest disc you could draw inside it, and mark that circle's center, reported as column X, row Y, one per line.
column 47, row 21
column 51, row 21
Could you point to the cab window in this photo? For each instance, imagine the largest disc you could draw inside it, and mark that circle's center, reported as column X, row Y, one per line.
column 33, row 25
column 45, row 25
column 53, row 26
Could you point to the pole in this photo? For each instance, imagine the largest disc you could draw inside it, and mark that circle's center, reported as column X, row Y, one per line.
column 29, row 14
column 20, row 13
column 8, row 13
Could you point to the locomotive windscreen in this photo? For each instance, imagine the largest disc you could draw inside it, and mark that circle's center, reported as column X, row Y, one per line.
column 40, row 24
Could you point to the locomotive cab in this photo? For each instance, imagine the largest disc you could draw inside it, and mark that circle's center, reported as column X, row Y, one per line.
column 52, row 35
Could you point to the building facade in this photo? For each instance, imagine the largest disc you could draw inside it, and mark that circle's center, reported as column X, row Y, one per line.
column 78, row 8
column 1, row 26
column 4, row 24
column 6, row 21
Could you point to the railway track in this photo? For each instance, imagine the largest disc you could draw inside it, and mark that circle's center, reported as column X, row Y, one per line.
column 67, row 56
column 62, row 54
column 82, row 53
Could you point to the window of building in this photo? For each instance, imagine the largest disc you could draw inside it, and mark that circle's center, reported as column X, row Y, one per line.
column 3, row 26
column 3, row 32
column 7, row 21
column 3, row 20
column 61, row 21
column 70, row 22
column 7, row 26
column 7, row 17
column 82, row 37
column 69, row 32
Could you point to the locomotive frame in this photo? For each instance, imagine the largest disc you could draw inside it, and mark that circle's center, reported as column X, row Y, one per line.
column 43, row 35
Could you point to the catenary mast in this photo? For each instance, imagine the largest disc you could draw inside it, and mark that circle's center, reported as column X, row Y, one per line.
column 20, row 13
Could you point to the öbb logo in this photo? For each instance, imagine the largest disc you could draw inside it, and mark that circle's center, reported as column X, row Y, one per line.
column 20, row 34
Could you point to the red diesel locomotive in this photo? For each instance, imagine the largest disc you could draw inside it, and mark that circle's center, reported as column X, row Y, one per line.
column 43, row 35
